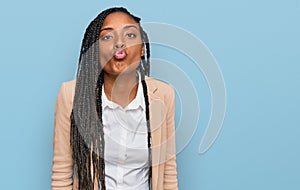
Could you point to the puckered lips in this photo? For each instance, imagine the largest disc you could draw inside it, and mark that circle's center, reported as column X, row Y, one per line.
column 120, row 54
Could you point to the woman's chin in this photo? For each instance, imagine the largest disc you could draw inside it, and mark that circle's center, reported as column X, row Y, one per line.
column 123, row 68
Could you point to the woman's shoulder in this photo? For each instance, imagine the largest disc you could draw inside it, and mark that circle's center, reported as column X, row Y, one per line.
column 158, row 85
column 69, row 84
column 157, row 82
column 68, row 90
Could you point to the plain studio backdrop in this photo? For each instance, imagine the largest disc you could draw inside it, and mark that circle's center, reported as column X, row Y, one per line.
column 255, row 43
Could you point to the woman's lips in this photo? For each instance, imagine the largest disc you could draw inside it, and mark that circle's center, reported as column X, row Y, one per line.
column 120, row 54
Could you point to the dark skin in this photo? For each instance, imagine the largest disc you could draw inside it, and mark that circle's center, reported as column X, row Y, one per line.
column 120, row 32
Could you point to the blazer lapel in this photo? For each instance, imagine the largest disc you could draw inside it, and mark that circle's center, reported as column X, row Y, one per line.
column 155, row 104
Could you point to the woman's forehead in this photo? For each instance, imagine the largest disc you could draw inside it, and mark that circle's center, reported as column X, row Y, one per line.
column 118, row 20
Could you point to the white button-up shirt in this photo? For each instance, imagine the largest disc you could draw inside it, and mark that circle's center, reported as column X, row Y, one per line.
column 126, row 150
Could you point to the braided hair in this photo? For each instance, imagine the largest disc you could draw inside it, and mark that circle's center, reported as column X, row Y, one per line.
column 86, row 134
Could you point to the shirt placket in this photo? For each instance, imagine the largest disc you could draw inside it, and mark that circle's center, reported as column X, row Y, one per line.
column 123, row 149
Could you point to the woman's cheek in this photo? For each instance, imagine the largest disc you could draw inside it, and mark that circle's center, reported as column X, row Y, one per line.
column 104, row 55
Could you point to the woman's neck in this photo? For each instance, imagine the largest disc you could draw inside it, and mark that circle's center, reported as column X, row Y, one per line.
column 121, row 89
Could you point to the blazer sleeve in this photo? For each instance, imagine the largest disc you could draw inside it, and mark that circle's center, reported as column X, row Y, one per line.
column 62, row 169
column 170, row 173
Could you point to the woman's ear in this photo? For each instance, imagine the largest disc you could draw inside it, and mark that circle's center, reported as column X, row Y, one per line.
column 143, row 51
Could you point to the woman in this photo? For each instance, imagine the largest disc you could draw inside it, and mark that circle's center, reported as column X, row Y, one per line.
column 114, row 126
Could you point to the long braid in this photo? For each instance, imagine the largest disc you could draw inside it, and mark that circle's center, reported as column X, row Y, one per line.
column 100, row 166
column 145, row 63
column 86, row 135
column 145, row 70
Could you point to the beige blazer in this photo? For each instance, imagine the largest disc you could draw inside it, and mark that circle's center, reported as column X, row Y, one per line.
column 161, row 108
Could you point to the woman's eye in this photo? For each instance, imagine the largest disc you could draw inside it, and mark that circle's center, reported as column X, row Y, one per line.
column 106, row 37
column 131, row 35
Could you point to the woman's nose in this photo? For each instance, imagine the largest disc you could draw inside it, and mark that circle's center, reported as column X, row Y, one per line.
column 119, row 43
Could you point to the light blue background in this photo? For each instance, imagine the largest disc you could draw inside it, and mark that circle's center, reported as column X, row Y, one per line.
column 256, row 44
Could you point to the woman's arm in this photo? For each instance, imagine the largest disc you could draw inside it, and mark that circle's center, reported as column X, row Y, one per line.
column 170, row 174
column 62, row 170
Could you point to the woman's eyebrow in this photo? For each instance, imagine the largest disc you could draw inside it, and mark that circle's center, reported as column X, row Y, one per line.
column 108, row 28
column 130, row 26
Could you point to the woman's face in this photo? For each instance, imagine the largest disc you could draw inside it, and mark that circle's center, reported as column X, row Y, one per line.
column 120, row 44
